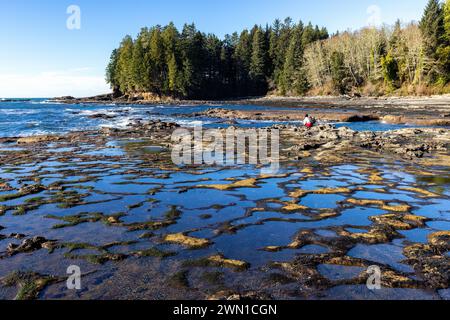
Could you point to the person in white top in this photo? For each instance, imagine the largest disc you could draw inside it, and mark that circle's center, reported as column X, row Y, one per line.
column 308, row 122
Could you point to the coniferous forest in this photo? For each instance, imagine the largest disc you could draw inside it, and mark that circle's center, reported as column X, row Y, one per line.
column 286, row 58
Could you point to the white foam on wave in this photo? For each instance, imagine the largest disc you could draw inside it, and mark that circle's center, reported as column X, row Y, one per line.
column 46, row 102
column 192, row 123
column 18, row 111
column 118, row 123
column 97, row 112
column 30, row 133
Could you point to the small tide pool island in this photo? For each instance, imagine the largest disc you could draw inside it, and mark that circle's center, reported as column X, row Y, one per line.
column 283, row 161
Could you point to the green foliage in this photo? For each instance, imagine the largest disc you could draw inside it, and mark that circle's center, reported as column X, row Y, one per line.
column 294, row 78
column 444, row 50
column 432, row 27
column 447, row 20
column 286, row 58
column 390, row 70
column 111, row 70
column 124, row 70
column 338, row 73
column 258, row 61
column 194, row 65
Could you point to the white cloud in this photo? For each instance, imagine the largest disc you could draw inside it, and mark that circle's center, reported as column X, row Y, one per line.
column 375, row 16
column 73, row 82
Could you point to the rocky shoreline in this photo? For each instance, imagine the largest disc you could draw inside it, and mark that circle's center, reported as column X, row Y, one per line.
column 423, row 111
column 112, row 200
column 411, row 143
column 85, row 158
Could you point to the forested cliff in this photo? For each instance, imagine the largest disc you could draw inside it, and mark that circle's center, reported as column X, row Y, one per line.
column 286, row 58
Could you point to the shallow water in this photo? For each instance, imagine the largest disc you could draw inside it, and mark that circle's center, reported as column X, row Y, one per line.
column 247, row 224
column 39, row 116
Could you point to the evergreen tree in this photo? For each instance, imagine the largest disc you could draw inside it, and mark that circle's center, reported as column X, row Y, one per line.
column 156, row 56
column 173, row 84
column 447, row 20
column 111, row 71
column 294, row 77
column 444, row 51
column 432, row 27
column 390, row 70
column 242, row 57
column 338, row 73
column 285, row 58
column 124, row 70
column 170, row 39
column 228, row 65
column 274, row 37
column 258, row 62
column 138, row 65
column 282, row 47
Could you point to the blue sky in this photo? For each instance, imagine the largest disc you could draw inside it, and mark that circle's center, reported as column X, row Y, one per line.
column 41, row 57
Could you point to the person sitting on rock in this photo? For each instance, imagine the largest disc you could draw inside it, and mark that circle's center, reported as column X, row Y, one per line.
column 308, row 122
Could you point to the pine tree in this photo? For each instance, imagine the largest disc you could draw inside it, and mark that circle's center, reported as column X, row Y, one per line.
column 124, row 66
column 157, row 62
column 294, row 77
column 447, row 20
column 170, row 43
column 193, row 65
column 444, row 51
column 258, row 62
column 172, row 75
column 308, row 34
column 111, row 72
column 390, row 70
column 338, row 74
column 138, row 65
column 242, row 56
column 228, row 65
column 432, row 27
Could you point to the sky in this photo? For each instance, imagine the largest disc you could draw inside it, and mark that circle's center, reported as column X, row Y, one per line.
column 54, row 48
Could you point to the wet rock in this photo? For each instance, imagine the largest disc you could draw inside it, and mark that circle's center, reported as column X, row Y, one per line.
column 31, row 189
column 430, row 262
column 393, row 221
column 191, row 242
column 29, row 284
column 423, row 193
column 233, row 296
column 378, row 234
column 37, row 139
column 4, row 186
column 27, row 245
column 109, row 131
column 413, row 151
column 102, row 116
column 440, row 239
column 307, row 146
column 154, row 252
column 328, row 135
column 218, row 261
column 247, row 183
column 361, row 118
column 345, row 132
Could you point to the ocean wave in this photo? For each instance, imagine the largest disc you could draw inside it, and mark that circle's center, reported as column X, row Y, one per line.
column 18, row 111
column 192, row 123
column 28, row 133
column 46, row 102
column 118, row 123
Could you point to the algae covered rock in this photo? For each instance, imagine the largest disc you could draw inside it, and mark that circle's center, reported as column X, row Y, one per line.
column 191, row 242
